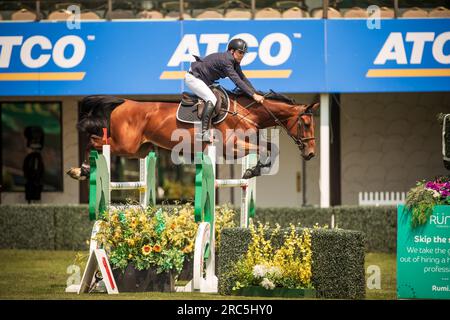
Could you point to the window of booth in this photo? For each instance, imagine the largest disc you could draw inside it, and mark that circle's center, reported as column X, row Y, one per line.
column 231, row 9
column 346, row 4
column 18, row 10
column 424, row 8
column 32, row 10
column 31, row 130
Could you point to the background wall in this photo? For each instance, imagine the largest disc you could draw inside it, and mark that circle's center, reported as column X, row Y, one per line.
column 390, row 141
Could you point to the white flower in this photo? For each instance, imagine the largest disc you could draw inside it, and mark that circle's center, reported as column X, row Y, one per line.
column 274, row 271
column 259, row 271
column 266, row 283
column 435, row 193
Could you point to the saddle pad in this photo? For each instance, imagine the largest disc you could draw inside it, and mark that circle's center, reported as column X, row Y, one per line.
column 188, row 99
column 189, row 114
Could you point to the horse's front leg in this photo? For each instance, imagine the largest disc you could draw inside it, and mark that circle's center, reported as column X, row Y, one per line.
column 262, row 166
column 264, row 153
column 144, row 150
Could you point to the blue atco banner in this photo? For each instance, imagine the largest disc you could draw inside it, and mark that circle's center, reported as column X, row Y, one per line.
column 151, row 57
column 399, row 55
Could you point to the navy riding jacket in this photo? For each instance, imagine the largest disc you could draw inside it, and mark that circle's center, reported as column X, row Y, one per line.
column 220, row 65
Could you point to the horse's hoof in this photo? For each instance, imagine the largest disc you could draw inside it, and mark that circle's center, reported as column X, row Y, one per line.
column 247, row 174
column 252, row 172
column 75, row 173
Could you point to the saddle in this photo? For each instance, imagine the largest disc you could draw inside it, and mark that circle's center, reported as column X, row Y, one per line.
column 190, row 109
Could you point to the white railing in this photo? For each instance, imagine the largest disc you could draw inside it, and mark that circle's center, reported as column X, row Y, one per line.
column 381, row 198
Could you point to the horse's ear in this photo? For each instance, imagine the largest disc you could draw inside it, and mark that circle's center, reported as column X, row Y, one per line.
column 312, row 107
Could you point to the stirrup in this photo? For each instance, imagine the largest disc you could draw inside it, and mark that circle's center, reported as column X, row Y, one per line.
column 204, row 136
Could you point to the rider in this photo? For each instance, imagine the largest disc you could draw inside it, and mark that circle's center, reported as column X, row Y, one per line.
column 204, row 72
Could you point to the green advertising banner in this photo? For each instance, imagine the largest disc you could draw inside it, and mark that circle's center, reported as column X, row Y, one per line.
column 423, row 255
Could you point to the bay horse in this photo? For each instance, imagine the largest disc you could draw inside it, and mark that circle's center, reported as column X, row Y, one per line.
column 135, row 127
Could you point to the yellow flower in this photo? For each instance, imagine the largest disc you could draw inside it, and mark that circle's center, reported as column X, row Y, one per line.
column 188, row 248
column 142, row 219
column 157, row 248
column 146, row 250
column 130, row 256
column 130, row 242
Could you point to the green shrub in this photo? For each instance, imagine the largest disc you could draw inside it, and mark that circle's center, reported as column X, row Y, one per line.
column 306, row 216
column 27, row 227
column 379, row 224
column 337, row 255
column 45, row 227
column 72, row 227
column 68, row 227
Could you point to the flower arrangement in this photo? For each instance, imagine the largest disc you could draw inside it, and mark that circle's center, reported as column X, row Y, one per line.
column 421, row 199
column 287, row 267
column 154, row 237
column 148, row 237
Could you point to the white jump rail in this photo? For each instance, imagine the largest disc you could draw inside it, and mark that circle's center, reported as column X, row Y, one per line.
column 381, row 198
column 140, row 185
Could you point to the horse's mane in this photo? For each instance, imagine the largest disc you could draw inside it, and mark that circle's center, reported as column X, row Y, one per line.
column 273, row 96
column 281, row 97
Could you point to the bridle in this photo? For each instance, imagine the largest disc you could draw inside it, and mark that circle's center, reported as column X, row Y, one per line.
column 299, row 140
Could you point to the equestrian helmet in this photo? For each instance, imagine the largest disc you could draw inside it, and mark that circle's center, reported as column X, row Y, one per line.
column 238, row 44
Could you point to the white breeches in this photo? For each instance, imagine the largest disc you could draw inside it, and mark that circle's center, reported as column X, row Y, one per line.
column 199, row 88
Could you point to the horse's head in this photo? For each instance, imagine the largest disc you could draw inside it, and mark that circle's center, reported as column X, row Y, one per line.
column 297, row 120
column 302, row 130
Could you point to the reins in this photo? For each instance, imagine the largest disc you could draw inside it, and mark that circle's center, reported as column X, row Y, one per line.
column 298, row 140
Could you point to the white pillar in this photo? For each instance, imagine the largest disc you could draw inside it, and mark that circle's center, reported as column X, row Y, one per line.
column 106, row 152
column 143, row 193
column 324, row 150
column 211, row 282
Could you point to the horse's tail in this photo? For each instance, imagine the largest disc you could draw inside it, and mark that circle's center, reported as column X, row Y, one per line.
column 96, row 112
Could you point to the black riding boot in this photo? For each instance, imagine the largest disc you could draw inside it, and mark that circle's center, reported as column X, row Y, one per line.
column 206, row 120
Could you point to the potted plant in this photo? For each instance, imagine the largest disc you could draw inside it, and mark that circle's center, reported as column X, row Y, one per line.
column 147, row 247
column 422, row 199
column 268, row 271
